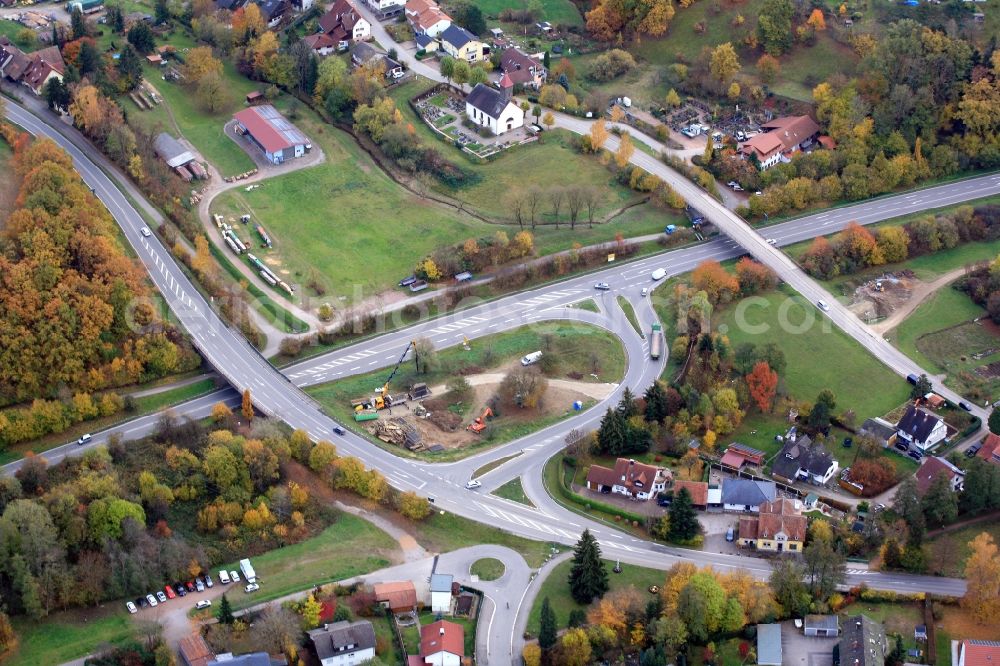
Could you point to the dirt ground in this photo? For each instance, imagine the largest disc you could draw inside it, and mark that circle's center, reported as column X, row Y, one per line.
column 559, row 399
column 878, row 299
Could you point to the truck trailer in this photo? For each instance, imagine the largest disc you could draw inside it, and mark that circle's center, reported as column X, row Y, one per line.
column 248, row 571
column 655, row 342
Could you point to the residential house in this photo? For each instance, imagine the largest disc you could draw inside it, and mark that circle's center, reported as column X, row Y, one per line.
column 426, row 43
column 32, row 70
column 522, row 69
column 441, row 592
column 747, row 494
column 273, row 11
column 769, row 644
column 975, row 653
column 322, row 44
column 880, row 430
column 802, row 460
column 344, row 643
column 780, row 138
column 442, row 643
column 344, row 24
column 230, row 5
column 630, row 478
column 398, row 597
column 780, row 527
column 494, row 109
column 426, row 18
column 272, row 133
column 461, row 44
column 920, row 429
column 194, row 651
column 826, row 626
column 697, row 489
column 737, row 455
column 386, row 8
column 990, row 449
column 862, row 642
column 364, row 54
column 932, row 467
column 250, row 659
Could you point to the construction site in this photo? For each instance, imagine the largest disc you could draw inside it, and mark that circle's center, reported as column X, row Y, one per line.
column 878, row 298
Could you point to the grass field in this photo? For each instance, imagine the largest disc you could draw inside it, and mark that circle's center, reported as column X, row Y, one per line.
column 12, row 30
column 492, row 465
column 589, row 305
column 487, row 568
column 919, row 334
column 514, row 491
column 950, row 550
column 61, row 637
column 443, row 532
column 554, row 11
column 629, row 311
column 349, row 547
column 556, row 588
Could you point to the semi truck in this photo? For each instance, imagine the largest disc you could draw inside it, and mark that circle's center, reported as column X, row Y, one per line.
column 655, row 342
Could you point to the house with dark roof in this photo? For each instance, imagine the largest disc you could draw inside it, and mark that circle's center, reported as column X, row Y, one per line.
column 344, row 643
column 442, row 643
column 990, row 449
column 975, row 653
column 779, row 527
column 461, row 44
column 920, row 429
column 630, row 478
column 747, row 494
column 825, row 626
column 801, row 459
column 272, row 133
column 522, row 69
column 230, row 5
column 273, row 11
column 171, row 151
column 494, row 109
column 697, row 489
column 398, row 597
column 780, row 138
column 862, row 642
column 364, row 54
column 933, row 467
column 32, row 70
column 344, row 24
column 250, row 659
column 880, row 430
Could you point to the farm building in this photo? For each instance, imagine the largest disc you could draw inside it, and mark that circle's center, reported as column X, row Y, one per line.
column 171, row 151
column 747, row 494
column 270, row 131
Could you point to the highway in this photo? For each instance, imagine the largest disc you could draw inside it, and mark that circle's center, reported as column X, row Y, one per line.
column 279, row 396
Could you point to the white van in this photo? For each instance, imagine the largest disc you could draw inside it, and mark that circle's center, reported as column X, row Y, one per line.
column 659, row 274
column 531, row 358
column 223, row 576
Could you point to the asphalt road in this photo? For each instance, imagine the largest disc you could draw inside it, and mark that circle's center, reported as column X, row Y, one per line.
column 277, row 396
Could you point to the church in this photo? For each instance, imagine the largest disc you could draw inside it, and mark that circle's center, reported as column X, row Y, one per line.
column 492, row 108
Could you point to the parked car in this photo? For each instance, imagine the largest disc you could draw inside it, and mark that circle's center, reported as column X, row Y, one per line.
column 198, row 585
column 131, row 607
column 189, row 585
column 915, row 455
column 848, row 442
column 162, row 598
column 208, row 580
column 737, row 188
column 603, row 286
column 204, row 603
column 170, row 592
column 223, row 576
column 973, row 450
column 472, row 485
column 141, row 602
column 730, row 535
column 878, row 507
column 407, row 281
column 84, row 439
column 235, row 576
column 180, row 589
column 252, row 587
column 151, row 600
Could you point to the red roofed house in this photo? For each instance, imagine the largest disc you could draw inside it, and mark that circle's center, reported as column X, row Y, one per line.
column 697, row 489
column 738, row 455
column 522, row 68
column 32, row 70
column 321, row 43
column 630, row 478
column 934, row 466
column 976, row 653
column 442, row 643
column 270, row 131
column 779, row 138
column 426, row 17
column 344, row 24
column 990, row 450
column 399, row 597
column 779, row 527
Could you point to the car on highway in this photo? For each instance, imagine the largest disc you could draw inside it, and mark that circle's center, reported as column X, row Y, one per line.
column 131, row 607
column 473, row 484
column 659, row 274
column 603, row 286
column 645, row 291
column 146, row 232
column 822, row 305
column 337, row 430
column 170, row 592
column 204, row 603
column 84, row 439
column 151, row 600
column 162, row 598
column 252, row 587
column 771, row 241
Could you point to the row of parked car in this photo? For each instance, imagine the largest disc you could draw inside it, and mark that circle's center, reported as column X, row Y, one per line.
column 199, row 584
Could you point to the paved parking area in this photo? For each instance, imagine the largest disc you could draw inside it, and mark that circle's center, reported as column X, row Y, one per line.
column 798, row 649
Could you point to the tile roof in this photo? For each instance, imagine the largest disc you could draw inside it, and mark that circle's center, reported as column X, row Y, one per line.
column 319, row 41
column 979, row 653
column 399, row 595
column 932, row 467
column 771, row 524
column 697, row 489
column 271, row 129
column 341, row 14
column 990, row 450
column 917, row 423
column 601, row 476
column 748, row 527
column 342, row 637
column 521, row 67
column 763, row 144
column 194, row 650
column 792, row 130
column 442, row 636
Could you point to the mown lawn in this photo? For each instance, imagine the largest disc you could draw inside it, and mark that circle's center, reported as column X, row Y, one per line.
column 943, row 309
column 62, row 637
column 157, row 401
column 513, row 491
column 350, row 547
column 554, row 11
column 443, row 532
column 487, row 568
column 12, row 30
column 556, row 588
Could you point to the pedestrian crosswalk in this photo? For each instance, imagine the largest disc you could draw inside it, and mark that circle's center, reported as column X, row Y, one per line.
column 549, row 297
column 454, row 326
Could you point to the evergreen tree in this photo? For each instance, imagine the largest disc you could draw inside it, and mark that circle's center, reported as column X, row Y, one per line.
column 656, row 403
column 78, row 25
column 588, row 579
column 90, row 58
column 56, row 94
column 921, row 388
column 819, row 416
column 897, row 656
column 684, row 524
column 116, row 20
column 626, row 406
column 892, row 554
column 994, row 421
column 547, row 626
column 939, row 503
column 55, row 36
column 546, row 60
column 225, row 614
column 162, row 12
column 141, row 37
column 611, row 436
column 130, row 67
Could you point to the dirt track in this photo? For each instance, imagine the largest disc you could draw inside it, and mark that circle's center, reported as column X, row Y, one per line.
column 920, row 292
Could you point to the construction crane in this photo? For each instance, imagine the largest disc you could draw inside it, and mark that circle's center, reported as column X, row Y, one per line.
column 382, row 399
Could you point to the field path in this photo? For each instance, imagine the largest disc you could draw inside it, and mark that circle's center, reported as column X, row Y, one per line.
column 589, row 389
column 920, row 294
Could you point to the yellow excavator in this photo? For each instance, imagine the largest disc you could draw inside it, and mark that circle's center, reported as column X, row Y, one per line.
column 381, row 399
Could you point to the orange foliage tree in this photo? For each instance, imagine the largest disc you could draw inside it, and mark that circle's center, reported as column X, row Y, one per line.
column 763, row 384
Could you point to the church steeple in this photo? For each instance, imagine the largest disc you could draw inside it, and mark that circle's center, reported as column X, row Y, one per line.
column 506, row 87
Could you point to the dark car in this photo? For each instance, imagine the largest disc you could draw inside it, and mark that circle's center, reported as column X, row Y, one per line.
column 141, row 602
column 337, row 429
column 180, row 589
column 973, row 450
column 848, row 442
column 916, row 455
column 407, row 281
column 664, row 499
column 966, row 406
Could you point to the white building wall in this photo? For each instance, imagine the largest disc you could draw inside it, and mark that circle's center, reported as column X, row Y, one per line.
column 350, row 658
column 441, row 602
column 443, row 659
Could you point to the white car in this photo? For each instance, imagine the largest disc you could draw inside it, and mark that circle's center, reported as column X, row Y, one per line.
column 85, row 439
column 131, row 607
column 645, row 291
column 223, row 576
column 151, row 599
column 771, row 241
column 737, row 188
column 603, row 286
column 145, row 232
column 161, row 597
column 198, row 585
column 204, row 603
column 252, row 587
column 472, row 485
column 235, row 576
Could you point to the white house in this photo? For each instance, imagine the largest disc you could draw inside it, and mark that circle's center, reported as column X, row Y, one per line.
column 920, row 430
column 493, row 108
column 801, row 459
column 344, row 643
column 630, row 478
column 441, row 592
column 344, row 24
column 442, row 643
column 386, row 8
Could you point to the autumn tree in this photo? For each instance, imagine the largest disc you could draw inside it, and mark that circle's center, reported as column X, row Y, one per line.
column 724, row 63
column 816, row 20
column 774, row 26
column 523, row 387
column 413, row 506
column 200, row 62
column 625, row 151
column 720, row 286
column 425, row 357
column 532, row 655
column 672, row 100
column 763, row 384
column 982, row 575
column 574, row 648
column 768, row 68
column 754, row 277
column 598, row 134
column 548, row 119
column 247, row 406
